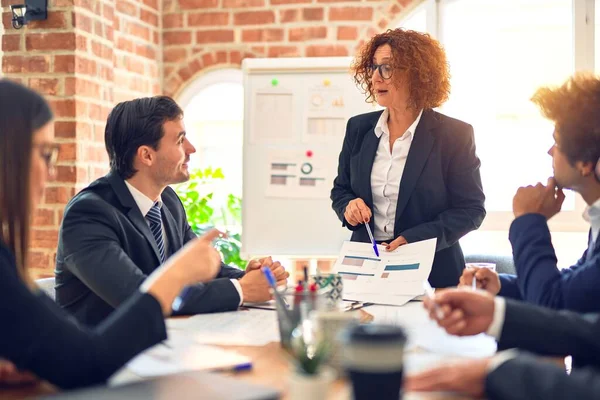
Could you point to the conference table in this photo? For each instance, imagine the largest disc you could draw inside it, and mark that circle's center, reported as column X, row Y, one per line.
column 429, row 345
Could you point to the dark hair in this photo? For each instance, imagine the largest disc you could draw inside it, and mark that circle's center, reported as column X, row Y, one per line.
column 22, row 112
column 136, row 123
column 574, row 108
column 420, row 55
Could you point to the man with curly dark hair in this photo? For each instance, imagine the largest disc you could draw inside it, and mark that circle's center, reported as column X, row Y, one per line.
column 408, row 171
column 573, row 107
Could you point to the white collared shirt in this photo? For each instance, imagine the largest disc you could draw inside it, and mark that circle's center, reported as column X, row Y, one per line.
column 386, row 174
column 592, row 215
column 144, row 203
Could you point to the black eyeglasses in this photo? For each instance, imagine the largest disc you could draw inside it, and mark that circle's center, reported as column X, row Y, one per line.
column 385, row 70
column 48, row 152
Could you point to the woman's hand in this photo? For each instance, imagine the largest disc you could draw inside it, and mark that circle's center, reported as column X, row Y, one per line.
column 357, row 212
column 10, row 375
column 394, row 244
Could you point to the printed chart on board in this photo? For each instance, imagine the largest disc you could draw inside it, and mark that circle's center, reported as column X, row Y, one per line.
column 326, row 113
column 299, row 174
column 393, row 278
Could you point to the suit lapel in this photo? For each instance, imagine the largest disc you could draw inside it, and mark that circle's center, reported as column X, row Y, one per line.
column 367, row 157
column 175, row 240
column 417, row 157
column 134, row 214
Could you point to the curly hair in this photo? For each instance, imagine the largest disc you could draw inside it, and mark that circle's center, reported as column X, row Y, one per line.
column 421, row 56
column 574, row 108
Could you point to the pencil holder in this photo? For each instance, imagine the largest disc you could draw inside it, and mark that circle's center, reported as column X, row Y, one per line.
column 335, row 284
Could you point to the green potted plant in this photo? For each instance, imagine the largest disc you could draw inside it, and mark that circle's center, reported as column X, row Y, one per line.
column 204, row 212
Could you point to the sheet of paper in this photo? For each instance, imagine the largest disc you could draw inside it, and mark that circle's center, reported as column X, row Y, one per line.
column 267, row 305
column 326, row 114
column 387, row 279
column 267, row 104
column 179, row 354
column 250, row 327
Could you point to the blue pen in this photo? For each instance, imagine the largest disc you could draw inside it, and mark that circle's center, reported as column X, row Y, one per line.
column 178, row 302
column 372, row 238
column 273, row 283
column 236, row 368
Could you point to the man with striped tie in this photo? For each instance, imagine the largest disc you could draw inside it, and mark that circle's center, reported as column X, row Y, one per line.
column 126, row 224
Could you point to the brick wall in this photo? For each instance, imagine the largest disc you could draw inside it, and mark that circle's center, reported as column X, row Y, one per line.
column 199, row 35
column 91, row 54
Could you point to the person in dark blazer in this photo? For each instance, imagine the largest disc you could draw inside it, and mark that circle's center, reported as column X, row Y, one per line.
column 573, row 108
column 123, row 226
column 409, row 172
column 513, row 374
column 38, row 338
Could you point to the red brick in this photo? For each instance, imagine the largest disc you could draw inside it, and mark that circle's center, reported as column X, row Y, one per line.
column 6, row 19
column 221, row 57
column 283, row 51
column 302, row 34
column 288, row 15
column 41, row 260
column 37, row 64
column 146, row 51
column 340, row 1
column 11, row 42
column 138, row 31
column 44, row 217
column 56, row 20
column 253, row 17
column 277, row 2
column 47, row 86
column 85, row 66
column 326, row 51
column 81, row 43
column 12, row 64
column 68, row 152
column 243, row 3
column 58, row 195
column 44, row 238
column 86, row 88
column 151, row 3
column 66, row 129
column 127, row 8
column 61, row 3
column 351, row 14
column 313, row 14
column 235, row 57
column 208, row 60
column 50, row 41
column 63, row 107
column 262, row 35
column 6, row 3
column 149, row 17
column 90, row 5
column 82, row 22
column 174, row 55
column 194, row 4
column 124, row 44
column 260, row 50
column 347, row 33
column 208, row 19
column 64, row 63
column 108, row 12
column 103, row 51
column 172, row 21
column 216, row 36
column 177, row 37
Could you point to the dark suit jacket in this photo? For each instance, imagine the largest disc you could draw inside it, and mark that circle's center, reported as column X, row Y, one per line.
column 37, row 336
column 538, row 279
column 106, row 250
column 547, row 332
column 440, row 191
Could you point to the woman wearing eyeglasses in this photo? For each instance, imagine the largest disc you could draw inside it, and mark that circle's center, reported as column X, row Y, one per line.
column 37, row 338
column 408, row 171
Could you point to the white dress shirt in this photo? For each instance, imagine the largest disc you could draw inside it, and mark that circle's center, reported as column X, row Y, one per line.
column 592, row 215
column 386, row 174
column 144, row 203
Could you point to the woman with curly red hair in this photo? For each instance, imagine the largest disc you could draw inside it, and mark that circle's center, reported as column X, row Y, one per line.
column 409, row 172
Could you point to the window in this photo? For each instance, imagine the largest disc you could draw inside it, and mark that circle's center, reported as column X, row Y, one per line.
column 416, row 20
column 500, row 52
column 213, row 115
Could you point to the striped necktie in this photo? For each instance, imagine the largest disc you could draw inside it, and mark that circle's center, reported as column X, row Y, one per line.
column 155, row 222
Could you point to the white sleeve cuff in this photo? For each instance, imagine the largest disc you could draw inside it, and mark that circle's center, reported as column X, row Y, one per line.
column 238, row 287
column 495, row 329
column 501, row 358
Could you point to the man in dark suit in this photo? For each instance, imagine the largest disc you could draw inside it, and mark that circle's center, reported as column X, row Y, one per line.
column 576, row 163
column 512, row 374
column 125, row 225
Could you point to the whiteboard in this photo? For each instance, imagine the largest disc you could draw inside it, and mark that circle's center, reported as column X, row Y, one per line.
column 295, row 115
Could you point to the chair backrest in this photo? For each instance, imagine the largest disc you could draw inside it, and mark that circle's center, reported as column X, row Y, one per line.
column 47, row 285
column 504, row 263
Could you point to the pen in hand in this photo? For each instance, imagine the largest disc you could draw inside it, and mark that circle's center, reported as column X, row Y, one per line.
column 372, row 239
column 429, row 293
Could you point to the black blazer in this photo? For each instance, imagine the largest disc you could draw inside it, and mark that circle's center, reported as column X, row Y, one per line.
column 39, row 337
column 553, row 333
column 106, row 250
column 440, row 191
